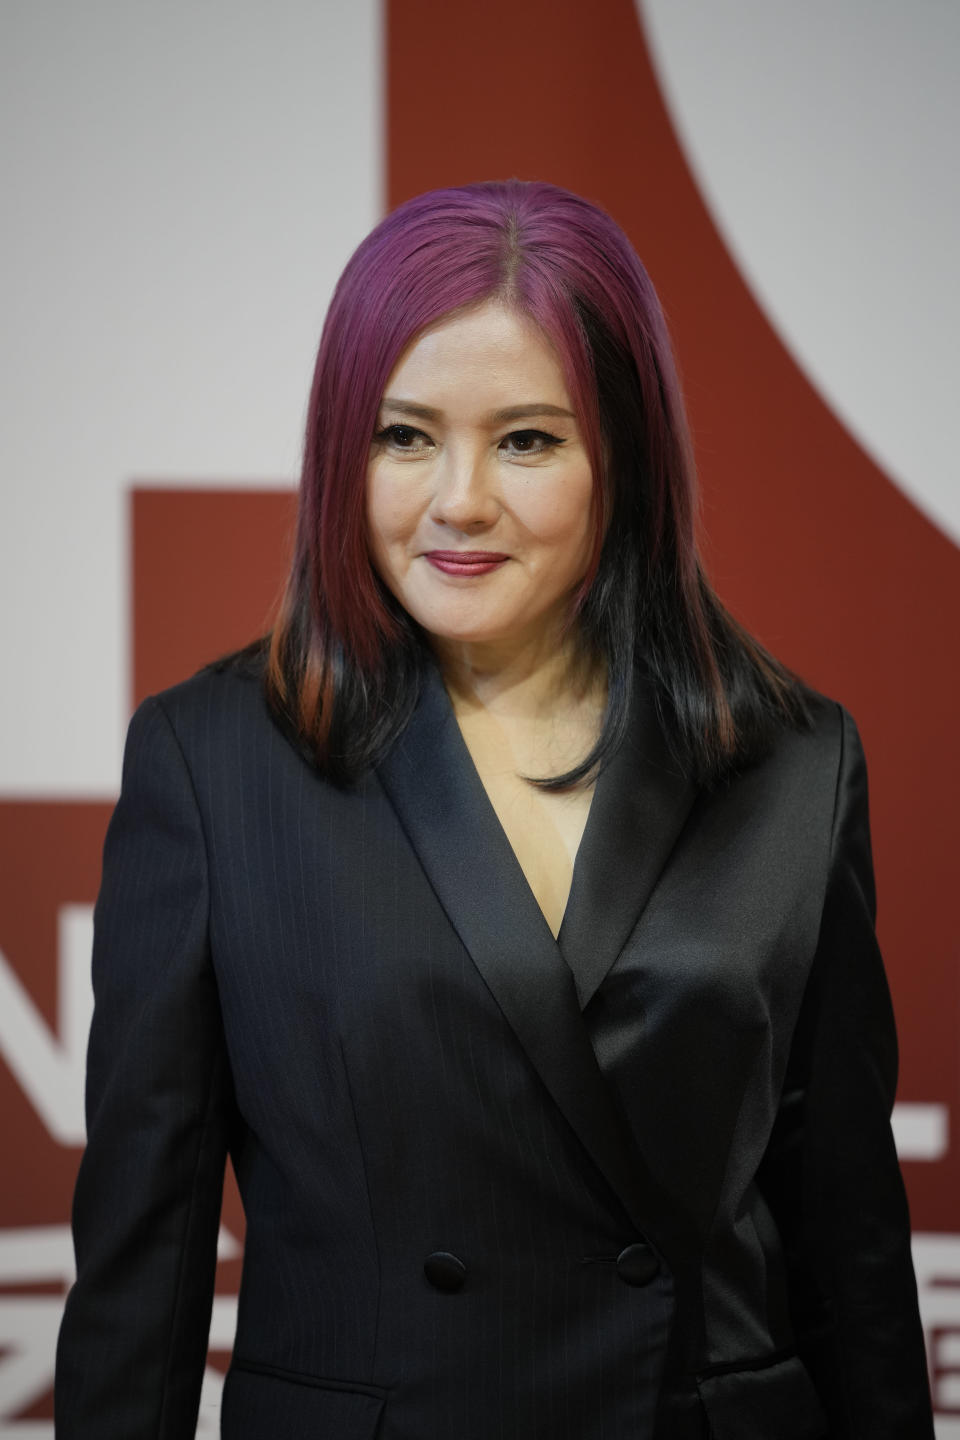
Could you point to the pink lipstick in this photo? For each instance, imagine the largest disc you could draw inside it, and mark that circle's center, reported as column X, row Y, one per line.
column 466, row 562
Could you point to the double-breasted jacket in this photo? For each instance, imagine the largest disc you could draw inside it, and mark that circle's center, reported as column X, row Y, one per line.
column 636, row 1182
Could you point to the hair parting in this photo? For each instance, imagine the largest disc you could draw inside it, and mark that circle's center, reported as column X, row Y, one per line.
column 344, row 662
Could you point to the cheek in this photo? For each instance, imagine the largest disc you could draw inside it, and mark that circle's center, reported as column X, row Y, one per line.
column 395, row 504
column 385, row 511
column 563, row 518
column 380, row 527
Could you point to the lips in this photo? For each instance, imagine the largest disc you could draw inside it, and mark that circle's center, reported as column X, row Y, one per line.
column 466, row 562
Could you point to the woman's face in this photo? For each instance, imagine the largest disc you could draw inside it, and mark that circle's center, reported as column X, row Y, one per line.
column 479, row 490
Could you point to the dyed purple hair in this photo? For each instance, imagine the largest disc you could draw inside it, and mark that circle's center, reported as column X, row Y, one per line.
column 343, row 655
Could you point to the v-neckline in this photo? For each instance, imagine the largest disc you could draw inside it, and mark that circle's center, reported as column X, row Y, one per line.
column 639, row 804
column 637, row 811
column 469, row 760
column 491, row 802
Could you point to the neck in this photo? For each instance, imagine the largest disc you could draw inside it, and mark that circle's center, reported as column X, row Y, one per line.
column 535, row 682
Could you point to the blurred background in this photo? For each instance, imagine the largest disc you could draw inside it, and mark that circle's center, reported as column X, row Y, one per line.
column 182, row 184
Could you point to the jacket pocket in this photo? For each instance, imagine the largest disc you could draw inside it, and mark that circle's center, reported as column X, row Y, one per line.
column 755, row 1403
column 260, row 1403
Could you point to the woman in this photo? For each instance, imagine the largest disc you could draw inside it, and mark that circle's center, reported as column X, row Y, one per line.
column 508, row 917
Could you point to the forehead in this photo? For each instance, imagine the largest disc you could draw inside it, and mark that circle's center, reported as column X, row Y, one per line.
column 488, row 351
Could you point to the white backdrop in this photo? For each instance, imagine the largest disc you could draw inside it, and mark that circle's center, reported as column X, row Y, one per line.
column 823, row 136
column 182, row 183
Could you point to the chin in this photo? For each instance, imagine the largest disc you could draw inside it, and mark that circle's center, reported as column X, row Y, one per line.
column 467, row 632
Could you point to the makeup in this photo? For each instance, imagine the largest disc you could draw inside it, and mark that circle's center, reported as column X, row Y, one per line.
column 466, row 562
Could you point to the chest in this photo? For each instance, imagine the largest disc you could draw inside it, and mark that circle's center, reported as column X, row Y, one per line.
column 326, row 916
column 544, row 829
column 351, row 992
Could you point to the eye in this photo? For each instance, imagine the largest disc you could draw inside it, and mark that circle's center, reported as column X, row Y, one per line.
column 530, row 442
column 403, row 437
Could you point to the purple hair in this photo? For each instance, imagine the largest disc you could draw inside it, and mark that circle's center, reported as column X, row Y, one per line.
column 568, row 267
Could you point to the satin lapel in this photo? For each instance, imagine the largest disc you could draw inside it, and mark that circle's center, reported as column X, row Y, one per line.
column 639, row 808
column 439, row 798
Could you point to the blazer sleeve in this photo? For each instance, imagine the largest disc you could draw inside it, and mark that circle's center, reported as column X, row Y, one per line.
column 831, row 1175
column 146, row 1211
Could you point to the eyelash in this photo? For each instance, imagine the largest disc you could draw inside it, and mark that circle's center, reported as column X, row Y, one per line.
column 390, row 434
column 543, row 439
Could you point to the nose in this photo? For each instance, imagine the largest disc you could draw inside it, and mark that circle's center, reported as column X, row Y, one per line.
column 465, row 494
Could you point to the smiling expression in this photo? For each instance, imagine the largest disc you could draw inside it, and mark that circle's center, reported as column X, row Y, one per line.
column 479, row 488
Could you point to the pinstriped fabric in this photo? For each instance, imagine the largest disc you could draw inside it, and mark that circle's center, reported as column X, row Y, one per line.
column 353, row 988
column 145, row 1214
column 380, row 1110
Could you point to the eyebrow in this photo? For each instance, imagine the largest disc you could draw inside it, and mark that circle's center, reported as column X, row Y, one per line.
column 529, row 411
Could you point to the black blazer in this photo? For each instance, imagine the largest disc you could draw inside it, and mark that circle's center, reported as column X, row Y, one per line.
column 638, row 1182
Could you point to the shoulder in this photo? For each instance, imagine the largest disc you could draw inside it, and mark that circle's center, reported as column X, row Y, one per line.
column 834, row 746
column 222, row 696
column 216, row 719
column 209, row 749
column 803, row 782
column 824, row 747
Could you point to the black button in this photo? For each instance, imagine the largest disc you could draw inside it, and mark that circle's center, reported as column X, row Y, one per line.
column 445, row 1271
column 637, row 1265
